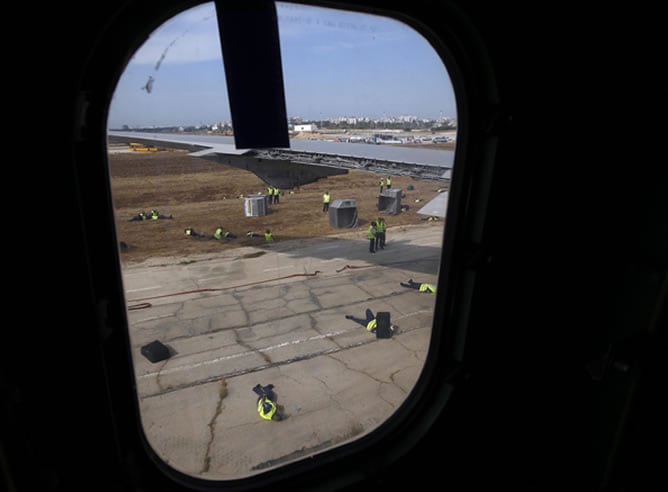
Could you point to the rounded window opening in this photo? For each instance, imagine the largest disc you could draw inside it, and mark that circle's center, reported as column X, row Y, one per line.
column 280, row 301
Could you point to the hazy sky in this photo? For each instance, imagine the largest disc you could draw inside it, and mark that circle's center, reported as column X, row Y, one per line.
column 335, row 64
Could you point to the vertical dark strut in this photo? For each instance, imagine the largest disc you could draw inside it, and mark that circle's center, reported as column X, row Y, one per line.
column 253, row 70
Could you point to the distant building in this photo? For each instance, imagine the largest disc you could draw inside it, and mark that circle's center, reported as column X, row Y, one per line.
column 306, row 128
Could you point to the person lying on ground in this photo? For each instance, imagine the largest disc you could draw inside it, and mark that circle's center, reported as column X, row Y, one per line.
column 152, row 215
column 140, row 216
column 267, row 405
column 155, row 215
column 422, row 287
column 268, row 237
column 190, row 232
column 369, row 322
column 221, row 233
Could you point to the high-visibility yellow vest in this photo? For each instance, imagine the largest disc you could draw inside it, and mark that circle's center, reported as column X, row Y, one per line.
column 326, row 198
column 371, row 325
column 266, row 413
column 389, row 182
column 219, row 233
column 371, row 233
column 268, row 237
column 380, row 227
column 427, row 288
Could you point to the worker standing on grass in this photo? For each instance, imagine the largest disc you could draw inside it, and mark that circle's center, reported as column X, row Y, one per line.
column 326, row 198
column 371, row 236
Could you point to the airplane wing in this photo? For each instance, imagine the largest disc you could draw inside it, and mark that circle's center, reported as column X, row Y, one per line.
column 436, row 207
column 273, row 170
column 306, row 161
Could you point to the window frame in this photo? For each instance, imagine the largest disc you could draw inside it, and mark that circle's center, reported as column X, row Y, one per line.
column 452, row 36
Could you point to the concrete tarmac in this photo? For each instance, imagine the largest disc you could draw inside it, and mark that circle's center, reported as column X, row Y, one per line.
column 275, row 314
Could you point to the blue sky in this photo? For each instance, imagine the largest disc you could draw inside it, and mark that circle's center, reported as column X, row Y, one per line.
column 335, row 64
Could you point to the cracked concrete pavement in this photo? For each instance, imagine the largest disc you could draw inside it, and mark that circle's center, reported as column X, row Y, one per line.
column 276, row 315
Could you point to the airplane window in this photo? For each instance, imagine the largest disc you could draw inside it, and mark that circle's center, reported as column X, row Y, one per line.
column 280, row 301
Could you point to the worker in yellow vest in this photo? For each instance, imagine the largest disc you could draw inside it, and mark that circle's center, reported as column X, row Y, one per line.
column 326, row 198
column 380, row 233
column 155, row 215
column 190, row 232
column 369, row 322
column 268, row 236
column 422, row 287
column 371, row 236
column 140, row 216
column 266, row 402
column 221, row 233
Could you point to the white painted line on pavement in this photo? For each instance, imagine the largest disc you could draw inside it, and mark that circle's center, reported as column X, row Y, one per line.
column 240, row 354
column 278, row 268
column 212, row 278
column 153, row 318
column 414, row 313
column 138, row 272
column 144, row 288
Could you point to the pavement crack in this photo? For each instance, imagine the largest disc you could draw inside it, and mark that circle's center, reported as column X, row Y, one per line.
column 324, row 383
column 222, row 393
column 250, row 348
column 314, row 299
column 359, row 371
column 159, row 374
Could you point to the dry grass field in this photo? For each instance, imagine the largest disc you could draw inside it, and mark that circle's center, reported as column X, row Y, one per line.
column 204, row 195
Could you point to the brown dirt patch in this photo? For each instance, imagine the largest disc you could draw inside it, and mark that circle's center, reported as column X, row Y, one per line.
column 203, row 195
